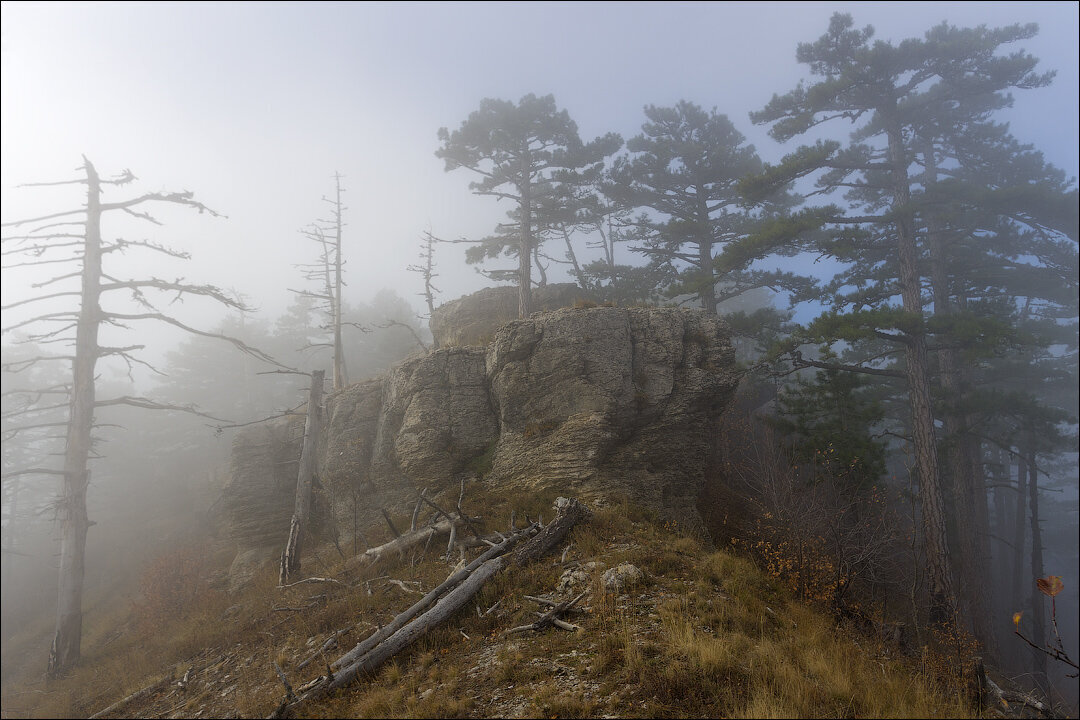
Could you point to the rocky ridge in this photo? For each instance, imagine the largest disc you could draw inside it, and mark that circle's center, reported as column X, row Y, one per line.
column 599, row 402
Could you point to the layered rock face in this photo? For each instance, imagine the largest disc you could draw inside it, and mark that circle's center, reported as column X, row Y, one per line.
column 602, row 403
column 611, row 402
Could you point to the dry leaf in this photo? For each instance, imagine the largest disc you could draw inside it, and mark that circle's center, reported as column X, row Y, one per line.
column 1050, row 585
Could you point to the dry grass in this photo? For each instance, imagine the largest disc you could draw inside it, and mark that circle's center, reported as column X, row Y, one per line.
column 706, row 634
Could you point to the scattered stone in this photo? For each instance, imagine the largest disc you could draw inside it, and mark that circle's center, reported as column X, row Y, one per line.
column 621, row 577
column 572, row 580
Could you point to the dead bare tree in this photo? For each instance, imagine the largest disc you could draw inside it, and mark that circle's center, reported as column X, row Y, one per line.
column 290, row 558
column 426, row 268
column 74, row 237
column 327, row 271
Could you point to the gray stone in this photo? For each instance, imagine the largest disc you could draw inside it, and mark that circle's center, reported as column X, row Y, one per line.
column 621, row 577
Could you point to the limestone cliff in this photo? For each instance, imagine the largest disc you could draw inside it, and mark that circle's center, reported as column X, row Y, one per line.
column 600, row 402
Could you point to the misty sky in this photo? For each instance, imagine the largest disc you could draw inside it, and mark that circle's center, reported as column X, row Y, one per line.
column 253, row 106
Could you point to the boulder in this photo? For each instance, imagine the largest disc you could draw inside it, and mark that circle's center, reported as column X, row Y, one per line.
column 621, row 578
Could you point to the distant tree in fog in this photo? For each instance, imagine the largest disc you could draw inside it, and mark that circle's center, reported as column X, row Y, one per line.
column 327, row 273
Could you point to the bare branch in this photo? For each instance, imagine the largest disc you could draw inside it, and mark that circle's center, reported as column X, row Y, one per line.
column 39, row 298
column 16, row 223
column 26, row 363
column 239, row 344
column 67, row 316
column 148, row 404
column 800, row 362
column 180, row 198
column 31, row 471
column 397, row 323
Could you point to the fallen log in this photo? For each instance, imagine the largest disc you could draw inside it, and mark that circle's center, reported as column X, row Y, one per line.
column 404, row 630
column 407, row 541
column 570, row 513
column 135, row 696
column 425, row 602
column 330, row 644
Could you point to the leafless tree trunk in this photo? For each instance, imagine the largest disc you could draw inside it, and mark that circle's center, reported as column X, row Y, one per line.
column 48, row 235
column 290, row 557
column 328, row 272
column 426, row 268
column 66, row 645
column 339, row 357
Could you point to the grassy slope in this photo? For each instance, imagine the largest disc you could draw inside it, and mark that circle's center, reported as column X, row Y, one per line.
column 704, row 635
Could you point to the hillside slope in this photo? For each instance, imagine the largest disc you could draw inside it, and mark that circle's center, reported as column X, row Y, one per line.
column 701, row 633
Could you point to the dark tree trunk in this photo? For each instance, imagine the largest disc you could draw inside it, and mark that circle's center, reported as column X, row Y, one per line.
column 526, row 245
column 939, row 573
column 1038, row 604
column 969, row 496
column 705, row 258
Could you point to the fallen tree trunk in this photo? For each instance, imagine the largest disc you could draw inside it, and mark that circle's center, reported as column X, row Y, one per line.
column 407, row 541
column 135, row 696
column 425, row 602
column 401, row 633
column 570, row 513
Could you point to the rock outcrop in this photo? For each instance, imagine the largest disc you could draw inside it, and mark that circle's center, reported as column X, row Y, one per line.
column 473, row 319
column 611, row 402
column 598, row 402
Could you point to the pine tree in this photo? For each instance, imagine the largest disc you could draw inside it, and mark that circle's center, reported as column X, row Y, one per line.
column 683, row 179
column 889, row 93
column 523, row 153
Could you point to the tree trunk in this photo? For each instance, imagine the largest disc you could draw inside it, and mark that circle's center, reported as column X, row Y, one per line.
column 66, row 645
column 1038, row 605
column 1019, row 534
column 339, row 356
column 408, row 540
column 525, row 248
column 705, row 258
column 290, row 558
column 975, row 593
column 448, row 598
column 918, row 378
column 1002, row 556
column 579, row 276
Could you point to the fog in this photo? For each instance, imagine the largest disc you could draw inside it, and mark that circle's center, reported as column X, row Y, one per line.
column 254, row 107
